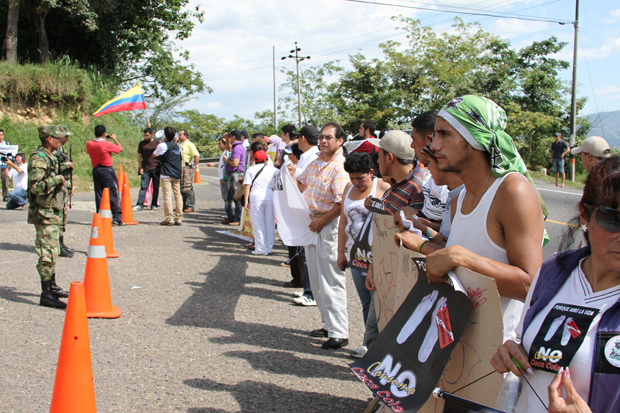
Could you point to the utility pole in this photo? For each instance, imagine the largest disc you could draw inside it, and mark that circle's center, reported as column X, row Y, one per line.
column 297, row 60
column 573, row 105
column 275, row 96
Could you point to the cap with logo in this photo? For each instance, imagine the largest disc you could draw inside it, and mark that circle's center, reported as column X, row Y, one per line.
column 595, row 146
column 396, row 142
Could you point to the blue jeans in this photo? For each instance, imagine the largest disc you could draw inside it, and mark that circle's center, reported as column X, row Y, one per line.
column 144, row 186
column 17, row 197
column 359, row 279
column 372, row 329
column 558, row 165
column 223, row 190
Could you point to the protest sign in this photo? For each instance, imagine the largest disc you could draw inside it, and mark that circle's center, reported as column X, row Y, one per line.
column 292, row 212
column 272, row 151
column 471, row 358
column 394, row 276
column 408, row 358
column 361, row 253
column 390, row 289
column 245, row 228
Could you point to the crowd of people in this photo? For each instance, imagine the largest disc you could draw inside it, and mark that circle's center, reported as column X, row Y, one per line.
column 457, row 177
column 475, row 206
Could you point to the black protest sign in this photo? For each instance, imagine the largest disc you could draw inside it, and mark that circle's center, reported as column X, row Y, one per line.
column 378, row 207
column 405, row 363
column 361, row 250
column 560, row 336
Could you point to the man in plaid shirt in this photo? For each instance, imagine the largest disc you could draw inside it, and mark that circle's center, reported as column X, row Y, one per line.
column 322, row 184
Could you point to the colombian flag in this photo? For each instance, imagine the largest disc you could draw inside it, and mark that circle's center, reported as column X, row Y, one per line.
column 131, row 100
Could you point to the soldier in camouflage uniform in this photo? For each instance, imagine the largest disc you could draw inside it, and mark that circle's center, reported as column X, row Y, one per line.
column 66, row 169
column 46, row 198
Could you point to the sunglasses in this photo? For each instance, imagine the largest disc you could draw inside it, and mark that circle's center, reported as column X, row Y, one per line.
column 608, row 219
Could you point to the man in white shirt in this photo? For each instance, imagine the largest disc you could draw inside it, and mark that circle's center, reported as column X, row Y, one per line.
column 307, row 140
column 18, row 172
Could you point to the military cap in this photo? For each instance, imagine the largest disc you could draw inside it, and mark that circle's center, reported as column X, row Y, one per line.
column 56, row 131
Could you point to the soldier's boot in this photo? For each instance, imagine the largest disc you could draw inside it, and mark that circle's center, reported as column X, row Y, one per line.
column 48, row 299
column 64, row 250
column 56, row 290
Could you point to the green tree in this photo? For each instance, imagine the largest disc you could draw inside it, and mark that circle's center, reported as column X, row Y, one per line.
column 316, row 102
column 364, row 93
column 127, row 40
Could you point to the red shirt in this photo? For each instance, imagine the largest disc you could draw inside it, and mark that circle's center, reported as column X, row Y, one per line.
column 101, row 151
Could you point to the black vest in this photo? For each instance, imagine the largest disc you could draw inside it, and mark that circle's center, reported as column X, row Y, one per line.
column 171, row 162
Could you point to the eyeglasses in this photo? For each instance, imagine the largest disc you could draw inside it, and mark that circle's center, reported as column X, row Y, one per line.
column 608, row 219
column 326, row 137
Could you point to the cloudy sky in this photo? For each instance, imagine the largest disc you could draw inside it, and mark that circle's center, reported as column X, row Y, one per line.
column 233, row 47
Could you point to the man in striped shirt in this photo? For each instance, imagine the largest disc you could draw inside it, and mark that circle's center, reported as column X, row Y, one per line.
column 322, row 184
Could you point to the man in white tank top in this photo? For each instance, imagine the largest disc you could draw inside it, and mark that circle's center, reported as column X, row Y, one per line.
column 497, row 220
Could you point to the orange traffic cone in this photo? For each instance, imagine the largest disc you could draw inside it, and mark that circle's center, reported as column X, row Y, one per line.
column 197, row 179
column 106, row 224
column 74, row 389
column 126, row 207
column 120, row 178
column 96, row 280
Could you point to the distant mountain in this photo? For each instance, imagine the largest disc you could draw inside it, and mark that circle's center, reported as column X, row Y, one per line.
column 607, row 125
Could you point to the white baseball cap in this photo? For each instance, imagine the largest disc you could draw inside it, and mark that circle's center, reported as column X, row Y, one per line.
column 595, row 146
column 396, row 142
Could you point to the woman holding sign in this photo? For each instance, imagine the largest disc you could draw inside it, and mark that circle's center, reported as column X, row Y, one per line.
column 353, row 220
column 570, row 326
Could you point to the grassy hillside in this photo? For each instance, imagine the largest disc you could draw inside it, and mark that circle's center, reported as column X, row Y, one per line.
column 61, row 92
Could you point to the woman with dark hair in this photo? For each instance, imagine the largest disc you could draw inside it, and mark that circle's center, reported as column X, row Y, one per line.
column 570, row 326
column 352, row 217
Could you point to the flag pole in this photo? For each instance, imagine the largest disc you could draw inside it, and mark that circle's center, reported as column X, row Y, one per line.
column 146, row 109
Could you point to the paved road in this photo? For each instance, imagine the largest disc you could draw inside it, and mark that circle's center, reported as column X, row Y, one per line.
column 205, row 326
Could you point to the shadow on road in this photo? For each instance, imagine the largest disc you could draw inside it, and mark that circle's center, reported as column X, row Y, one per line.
column 255, row 396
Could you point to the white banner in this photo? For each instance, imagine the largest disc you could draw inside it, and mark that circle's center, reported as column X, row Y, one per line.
column 292, row 212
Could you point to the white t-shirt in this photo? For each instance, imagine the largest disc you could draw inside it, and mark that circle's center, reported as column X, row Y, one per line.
column 19, row 180
column 306, row 159
column 221, row 166
column 435, row 197
column 576, row 291
column 262, row 190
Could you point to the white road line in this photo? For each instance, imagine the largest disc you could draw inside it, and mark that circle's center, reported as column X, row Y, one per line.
column 559, row 192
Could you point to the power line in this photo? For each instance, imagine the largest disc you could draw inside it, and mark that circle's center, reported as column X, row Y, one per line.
column 539, row 19
column 323, row 52
column 598, row 112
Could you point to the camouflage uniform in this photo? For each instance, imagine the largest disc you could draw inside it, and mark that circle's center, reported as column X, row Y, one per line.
column 46, row 200
column 65, row 169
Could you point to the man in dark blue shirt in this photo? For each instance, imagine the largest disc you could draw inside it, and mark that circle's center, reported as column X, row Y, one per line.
column 559, row 148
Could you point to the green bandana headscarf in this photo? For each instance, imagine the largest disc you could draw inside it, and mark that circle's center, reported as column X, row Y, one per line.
column 481, row 122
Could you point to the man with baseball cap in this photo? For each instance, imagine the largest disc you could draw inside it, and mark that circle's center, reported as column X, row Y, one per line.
column 591, row 151
column 396, row 161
